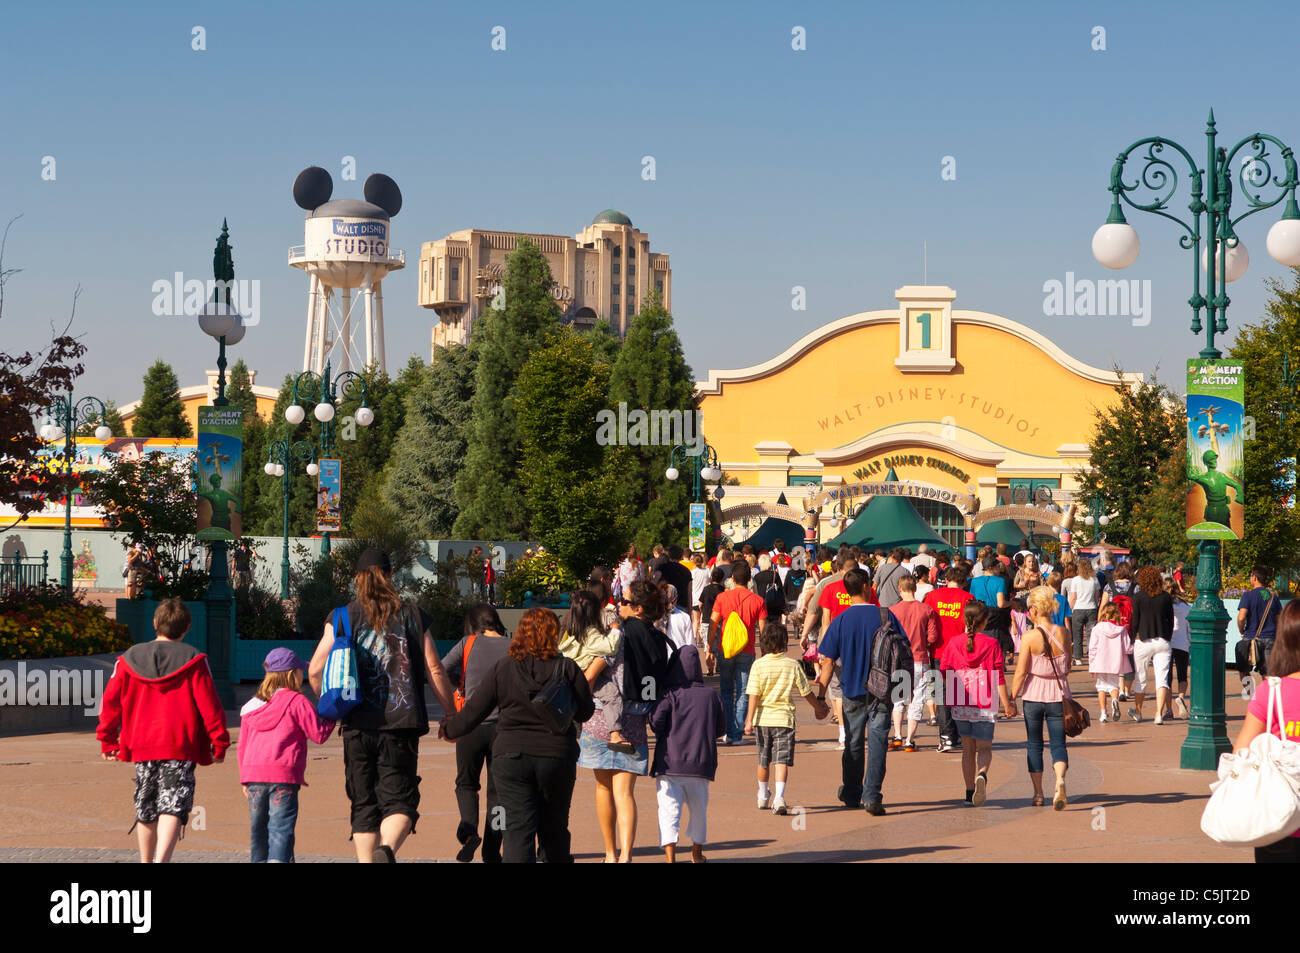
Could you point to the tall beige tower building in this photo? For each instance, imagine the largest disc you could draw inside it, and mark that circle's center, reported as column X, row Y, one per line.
column 605, row 271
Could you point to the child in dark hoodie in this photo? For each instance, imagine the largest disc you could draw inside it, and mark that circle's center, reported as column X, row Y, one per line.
column 161, row 711
column 687, row 722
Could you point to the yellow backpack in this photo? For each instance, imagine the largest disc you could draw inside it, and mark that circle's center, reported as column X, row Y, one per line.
column 735, row 636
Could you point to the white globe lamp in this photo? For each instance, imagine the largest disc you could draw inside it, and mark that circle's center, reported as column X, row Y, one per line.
column 218, row 319
column 1283, row 240
column 269, row 468
column 1116, row 244
column 312, row 469
column 1238, row 259
column 104, row 433
column 236, row 334
column 295, row 414
column 324, row 412
column 56, row 433
column 671, row 473
column 365, row 416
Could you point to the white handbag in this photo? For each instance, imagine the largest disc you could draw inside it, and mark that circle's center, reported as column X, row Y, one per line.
column 1256, row 800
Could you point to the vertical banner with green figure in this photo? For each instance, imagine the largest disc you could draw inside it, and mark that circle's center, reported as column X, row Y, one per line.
column 1215, row 450
column 220, row 463
column 329, row 505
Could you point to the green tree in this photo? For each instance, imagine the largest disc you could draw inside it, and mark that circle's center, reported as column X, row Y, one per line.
column 570, row 481
column 430, row 450
column 605, row 341
column 1159, row 526
column 239, row 390
column 150, row 500
column 161, row 413
column 1272, row 528
column 488, row 493
column 1130, row 439
column 651, row 373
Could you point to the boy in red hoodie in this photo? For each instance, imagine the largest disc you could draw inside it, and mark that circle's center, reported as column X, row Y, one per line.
column 162, row 712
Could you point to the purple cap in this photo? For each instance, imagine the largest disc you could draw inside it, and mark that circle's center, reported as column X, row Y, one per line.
column 283, row 660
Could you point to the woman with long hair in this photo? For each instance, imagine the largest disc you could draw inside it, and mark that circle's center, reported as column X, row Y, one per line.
column 1151, row 627
column 630, row 570
column 591, row 644
column 1284, row 664
column 381, row 736
column 533, row 758
column 1082, row 591
column 640, row 666
column 469, row 664
column 976, row 685
column 1028, row 576
column 1180, row 648
column 1042, row 682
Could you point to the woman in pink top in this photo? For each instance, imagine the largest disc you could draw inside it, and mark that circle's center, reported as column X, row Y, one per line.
column 1041, row 670
column 972, row 666
column 1283, row 661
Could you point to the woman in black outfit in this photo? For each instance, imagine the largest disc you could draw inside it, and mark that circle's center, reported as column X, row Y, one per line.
column 533, row 764
column 468, row 665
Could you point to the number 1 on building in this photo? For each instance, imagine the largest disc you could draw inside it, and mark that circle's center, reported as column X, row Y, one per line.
column 923, row 319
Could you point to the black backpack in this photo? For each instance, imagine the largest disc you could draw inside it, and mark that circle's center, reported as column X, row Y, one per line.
column 774, row 595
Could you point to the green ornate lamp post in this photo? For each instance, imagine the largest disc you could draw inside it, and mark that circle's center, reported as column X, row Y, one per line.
column 220, row 319
column 279, row 462
column 1096, row 519
column 327, row 394
column 68, row 416
column 702, row 462
column 1116, row 245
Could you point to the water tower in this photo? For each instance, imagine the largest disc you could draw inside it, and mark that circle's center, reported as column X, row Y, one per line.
column 346, row 248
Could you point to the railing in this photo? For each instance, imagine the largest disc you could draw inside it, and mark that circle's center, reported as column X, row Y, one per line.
column 19, row 573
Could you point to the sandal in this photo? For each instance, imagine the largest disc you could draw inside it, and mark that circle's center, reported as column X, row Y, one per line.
column 1059, row 801
column 1038, row 800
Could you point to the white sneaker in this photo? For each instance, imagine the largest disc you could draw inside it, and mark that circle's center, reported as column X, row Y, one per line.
column 762, row 802
column 1133, row 715
column 779, row 806
column 1160, row 720
column 1104, row 719
column 1114, row 709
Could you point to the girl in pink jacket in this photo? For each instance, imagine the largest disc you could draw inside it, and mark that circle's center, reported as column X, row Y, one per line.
column 1109, row 651
column 273, row 734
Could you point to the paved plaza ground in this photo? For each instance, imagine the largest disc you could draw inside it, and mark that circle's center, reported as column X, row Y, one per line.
column 1128, row 802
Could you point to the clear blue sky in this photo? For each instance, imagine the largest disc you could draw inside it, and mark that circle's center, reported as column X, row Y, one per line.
column 775, row 168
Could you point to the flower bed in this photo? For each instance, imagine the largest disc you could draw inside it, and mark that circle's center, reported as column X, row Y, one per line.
column 42, row 623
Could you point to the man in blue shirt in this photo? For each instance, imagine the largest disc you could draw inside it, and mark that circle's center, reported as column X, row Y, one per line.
column 1257, row 617
column 866, row 720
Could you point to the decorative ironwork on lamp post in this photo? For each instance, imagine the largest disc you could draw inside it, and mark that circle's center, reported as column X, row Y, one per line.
column 1116, row 245
column 327, row 394
column 279, row 463
column 702, row 462
column 221, row 320
column 69, row 415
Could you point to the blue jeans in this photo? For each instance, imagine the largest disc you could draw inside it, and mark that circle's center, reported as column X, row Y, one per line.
column 274, row 812
column 866, row 721
column 733, row 675
column 1035, row 714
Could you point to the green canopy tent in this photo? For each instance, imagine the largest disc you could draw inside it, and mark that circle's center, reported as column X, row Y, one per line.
column 1001, row 531
column 890, row 521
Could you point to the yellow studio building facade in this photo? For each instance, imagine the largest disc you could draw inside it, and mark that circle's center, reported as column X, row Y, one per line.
column 982, row 419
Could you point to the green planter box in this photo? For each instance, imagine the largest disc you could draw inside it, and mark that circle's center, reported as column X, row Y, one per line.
column 137, row 615
column 249, row 653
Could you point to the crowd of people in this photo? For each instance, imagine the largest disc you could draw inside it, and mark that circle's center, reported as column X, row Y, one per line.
column 887, row 642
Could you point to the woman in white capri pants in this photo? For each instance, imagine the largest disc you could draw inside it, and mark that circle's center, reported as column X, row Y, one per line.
column 1152, row 626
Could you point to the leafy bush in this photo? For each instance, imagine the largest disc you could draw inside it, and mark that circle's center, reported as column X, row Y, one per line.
column 320, row 585
column 260, row 615
column 541, row 573
column 190, row 585
column 44, row 623
column 443, row 598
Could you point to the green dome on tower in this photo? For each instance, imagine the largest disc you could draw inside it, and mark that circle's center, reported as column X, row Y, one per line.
column 611, row 216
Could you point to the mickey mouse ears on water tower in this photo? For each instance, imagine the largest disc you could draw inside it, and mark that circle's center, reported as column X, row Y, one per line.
column 313, row 188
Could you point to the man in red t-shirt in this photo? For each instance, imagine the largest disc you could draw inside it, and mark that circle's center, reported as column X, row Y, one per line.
column 950, row 604
column 733, row 673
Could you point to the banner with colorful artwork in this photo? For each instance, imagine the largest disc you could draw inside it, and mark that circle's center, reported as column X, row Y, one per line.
column 1215, row 450
column 697, row 528
column 93, row 456
column 329, row 512
column 220, row 462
